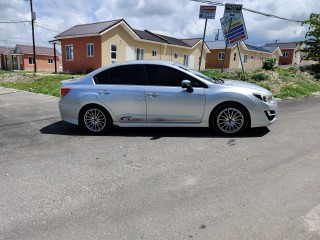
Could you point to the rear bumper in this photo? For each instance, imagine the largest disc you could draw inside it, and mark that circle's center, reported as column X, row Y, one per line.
column 69, row 111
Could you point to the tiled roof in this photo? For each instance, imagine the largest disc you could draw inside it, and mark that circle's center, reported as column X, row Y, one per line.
column 217, row 44
column 5, row 50
column 191, row 41
column 98, row 28
column 269, row 49
column 222, row 45
column 146, row 35
column 25, row 49
column 174, row 41
column 88, row 29
column 288, row 45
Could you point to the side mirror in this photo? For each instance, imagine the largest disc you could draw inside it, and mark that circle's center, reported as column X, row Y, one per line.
column 187, row 84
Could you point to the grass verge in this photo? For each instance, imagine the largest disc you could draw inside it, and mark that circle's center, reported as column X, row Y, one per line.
column 49, row 84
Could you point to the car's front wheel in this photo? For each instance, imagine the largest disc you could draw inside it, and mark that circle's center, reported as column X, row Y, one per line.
column 230, row 119
column 96, row 120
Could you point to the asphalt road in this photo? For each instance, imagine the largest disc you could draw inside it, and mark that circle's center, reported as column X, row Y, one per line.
column 58, row 183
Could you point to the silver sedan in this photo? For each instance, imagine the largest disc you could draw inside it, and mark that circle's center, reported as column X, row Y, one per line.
column 163, row 94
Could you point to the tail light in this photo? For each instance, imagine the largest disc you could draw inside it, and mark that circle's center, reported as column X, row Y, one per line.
column 64, row 91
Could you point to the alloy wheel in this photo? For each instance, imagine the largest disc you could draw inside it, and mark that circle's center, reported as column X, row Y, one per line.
column 230, row 120
column 95, row 120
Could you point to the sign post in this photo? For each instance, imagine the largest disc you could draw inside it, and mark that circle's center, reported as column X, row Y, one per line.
column 206, row 12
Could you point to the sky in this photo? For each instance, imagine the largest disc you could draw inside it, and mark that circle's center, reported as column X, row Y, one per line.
column 176, row 18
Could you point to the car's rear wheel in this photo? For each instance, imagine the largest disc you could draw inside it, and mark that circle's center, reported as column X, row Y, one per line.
column 96, row 120
column 230, row 119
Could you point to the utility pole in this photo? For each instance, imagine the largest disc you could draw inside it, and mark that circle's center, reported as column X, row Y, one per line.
column 33, row 18
column 204, row 35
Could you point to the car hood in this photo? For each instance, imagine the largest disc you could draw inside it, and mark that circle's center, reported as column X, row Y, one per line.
column 246, row 85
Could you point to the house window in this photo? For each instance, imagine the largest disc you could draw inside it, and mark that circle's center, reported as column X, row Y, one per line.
column 245, row 59
column 140, row 53
column 234, row 57
column 186, row 60
column 176, row 56
column 252, row 57
column 113, row 52
column 31, row 60
column 262, row 58
column 50, row 60
column 90, row 50
column 285, row 54
column 154, row 53
column 221, row 55
column 69, row 52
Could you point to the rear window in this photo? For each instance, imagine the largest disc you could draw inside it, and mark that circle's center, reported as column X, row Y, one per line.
column 121, row 75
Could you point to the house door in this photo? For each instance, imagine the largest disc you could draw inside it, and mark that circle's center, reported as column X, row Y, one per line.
column 129, row 53
column 19, row 58
column 191, row 62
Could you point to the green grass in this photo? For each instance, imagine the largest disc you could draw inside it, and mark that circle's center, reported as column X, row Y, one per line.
column 298, row 89
column 47, row 85
column 4, row 71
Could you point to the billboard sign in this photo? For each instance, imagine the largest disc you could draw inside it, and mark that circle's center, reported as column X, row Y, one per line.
column 232, row 23
column 207, row 12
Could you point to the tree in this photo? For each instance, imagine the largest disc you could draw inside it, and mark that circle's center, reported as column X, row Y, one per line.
column 312, row 38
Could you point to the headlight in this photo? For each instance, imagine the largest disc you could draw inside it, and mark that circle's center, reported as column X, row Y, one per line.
column 265, row 98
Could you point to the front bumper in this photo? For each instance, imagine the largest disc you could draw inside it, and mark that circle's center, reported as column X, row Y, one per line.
column 264, row 114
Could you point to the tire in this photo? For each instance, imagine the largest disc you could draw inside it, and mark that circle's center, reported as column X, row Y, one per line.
column 230, row 119
column 96, row 120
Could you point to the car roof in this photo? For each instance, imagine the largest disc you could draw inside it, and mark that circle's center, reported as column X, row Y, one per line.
column 134, row 62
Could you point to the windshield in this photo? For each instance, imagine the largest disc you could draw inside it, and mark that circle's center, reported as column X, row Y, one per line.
column 198, row 74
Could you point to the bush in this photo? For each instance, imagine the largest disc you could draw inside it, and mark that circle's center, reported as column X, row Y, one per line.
column 293, row 69
column 269, row 64
column 88, row 70
column 260, row 76
column 243, row 76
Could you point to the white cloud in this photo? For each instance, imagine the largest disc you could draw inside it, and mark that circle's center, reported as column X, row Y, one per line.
column 177, row 18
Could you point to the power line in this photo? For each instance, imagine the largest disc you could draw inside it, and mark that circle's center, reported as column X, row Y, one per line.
column 22, row 21
column 249, row 10
column 47, row 28
column 50, row 28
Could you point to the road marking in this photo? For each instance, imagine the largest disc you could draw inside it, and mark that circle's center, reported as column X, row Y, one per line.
column 312, row 220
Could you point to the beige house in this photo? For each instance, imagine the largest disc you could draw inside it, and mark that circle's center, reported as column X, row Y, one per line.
column 90, row 46
column 252, row 56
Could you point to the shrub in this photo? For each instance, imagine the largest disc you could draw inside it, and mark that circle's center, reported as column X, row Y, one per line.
column 88, row 70
column 269, row 64
column 243, row 76
column 293, row 69
column 260, row 76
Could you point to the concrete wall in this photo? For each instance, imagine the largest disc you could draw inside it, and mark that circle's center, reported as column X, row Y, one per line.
column 213, row 60
column 289, row 59
column 42, row 63
column 81, row 62
column 254, row 58
column 123, row 40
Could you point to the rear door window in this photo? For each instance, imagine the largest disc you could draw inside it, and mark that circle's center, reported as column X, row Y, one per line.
column 121, row 75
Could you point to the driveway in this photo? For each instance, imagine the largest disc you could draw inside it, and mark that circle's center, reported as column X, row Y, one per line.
column 59, row 183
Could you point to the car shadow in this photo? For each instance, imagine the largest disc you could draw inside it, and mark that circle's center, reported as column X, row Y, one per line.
column 64, row 128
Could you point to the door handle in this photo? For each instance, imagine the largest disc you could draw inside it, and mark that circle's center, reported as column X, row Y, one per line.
column 153, row 94
column 102, row 92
